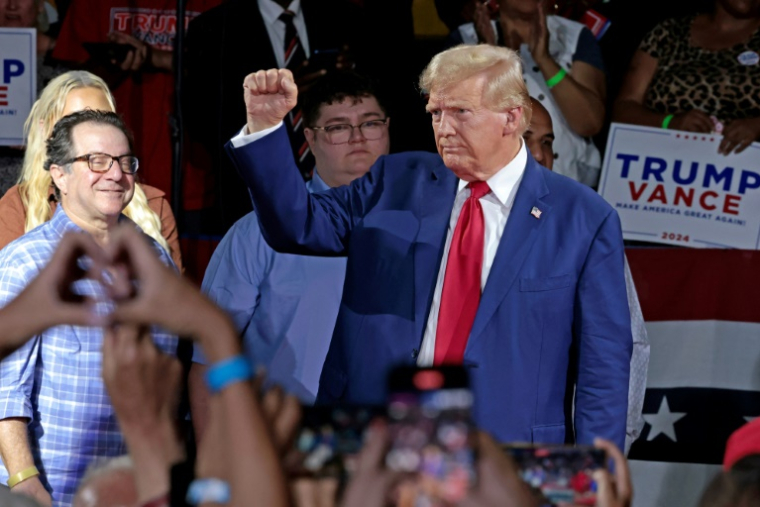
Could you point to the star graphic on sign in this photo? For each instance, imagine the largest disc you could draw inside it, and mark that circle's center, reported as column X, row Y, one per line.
column 663, row 421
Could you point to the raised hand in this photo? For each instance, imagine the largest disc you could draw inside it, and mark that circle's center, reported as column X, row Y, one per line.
column 269, row 95
column 148, row 292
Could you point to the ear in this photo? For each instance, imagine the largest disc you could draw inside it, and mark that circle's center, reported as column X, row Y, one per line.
column 513, row 119
column 59, row 176
column 309, row 135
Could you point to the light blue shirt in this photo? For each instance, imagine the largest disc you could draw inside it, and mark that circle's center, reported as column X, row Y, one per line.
column 55, row 380
column 284, row 305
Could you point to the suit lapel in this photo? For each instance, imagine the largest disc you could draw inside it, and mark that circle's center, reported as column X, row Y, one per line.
column 520, row 233
column 438, row 193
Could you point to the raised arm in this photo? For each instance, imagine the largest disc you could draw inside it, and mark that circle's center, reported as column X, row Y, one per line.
column 291, row 219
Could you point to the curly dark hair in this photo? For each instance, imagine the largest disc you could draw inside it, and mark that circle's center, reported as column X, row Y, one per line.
column 337, row 87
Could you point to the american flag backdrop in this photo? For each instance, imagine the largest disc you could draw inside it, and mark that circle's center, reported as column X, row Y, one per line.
column 702, row 313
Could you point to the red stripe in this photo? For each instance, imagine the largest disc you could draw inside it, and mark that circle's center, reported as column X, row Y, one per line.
column 296, row 116
column 303, row 148
column 3, row 103
column 697, row 284
column 290, row 48
column 3, row 88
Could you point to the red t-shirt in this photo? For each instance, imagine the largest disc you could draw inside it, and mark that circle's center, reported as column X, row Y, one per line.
column 144, row 99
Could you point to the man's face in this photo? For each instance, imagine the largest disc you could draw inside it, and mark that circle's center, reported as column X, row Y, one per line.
column 89, row 196
column 539, row 138
column 470, row 137
column 19, row 13
column 339, row 164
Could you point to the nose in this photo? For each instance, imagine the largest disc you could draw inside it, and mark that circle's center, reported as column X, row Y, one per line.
column 356, row 135
column 114, row 173
column 446, row 125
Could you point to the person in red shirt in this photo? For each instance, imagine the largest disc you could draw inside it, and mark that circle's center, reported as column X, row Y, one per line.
column 141, row 77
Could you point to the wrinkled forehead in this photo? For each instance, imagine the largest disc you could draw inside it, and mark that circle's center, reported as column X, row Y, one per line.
column 91, row 137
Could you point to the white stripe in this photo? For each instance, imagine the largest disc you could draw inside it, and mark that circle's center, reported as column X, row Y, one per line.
column 297, row 125
column 657, row 484
column 305, row 153
column 706, row 353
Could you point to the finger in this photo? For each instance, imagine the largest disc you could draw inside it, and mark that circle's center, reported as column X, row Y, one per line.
column 127, row 63
column 371, row 456
column 139, row 58
column 272, row 403
column 727, row 145
column 287, row 421
column 288, row 83
column 742, row 145
column 272, row 81
column 130, row 248
column 622, row 473
column 250, row 83
column 704, row 121
column 261, row 81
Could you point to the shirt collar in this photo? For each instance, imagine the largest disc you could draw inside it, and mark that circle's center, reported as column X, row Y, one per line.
column 504, row 183
column 271, row 10
column 317, row 184
column 61, row 223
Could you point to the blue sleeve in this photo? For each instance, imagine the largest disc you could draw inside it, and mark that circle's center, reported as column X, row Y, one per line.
column 234, row 274
column 16, row 370
column 588, row 51
column 291, row 219
column 602, row 330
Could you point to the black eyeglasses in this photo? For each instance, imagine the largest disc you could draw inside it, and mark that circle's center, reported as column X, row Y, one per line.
column 102, row 162
column 341, row 133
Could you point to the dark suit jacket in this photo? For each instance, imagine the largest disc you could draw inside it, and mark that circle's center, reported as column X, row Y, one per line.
column 553, row 314
column 224, row 45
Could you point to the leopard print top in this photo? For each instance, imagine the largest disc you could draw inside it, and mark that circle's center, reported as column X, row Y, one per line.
column 689, row 77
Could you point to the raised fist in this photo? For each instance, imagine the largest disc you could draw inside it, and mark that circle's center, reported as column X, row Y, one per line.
column 269, row 96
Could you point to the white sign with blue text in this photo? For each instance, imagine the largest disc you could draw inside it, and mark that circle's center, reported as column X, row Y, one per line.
column 18, row 82
column 674, row 187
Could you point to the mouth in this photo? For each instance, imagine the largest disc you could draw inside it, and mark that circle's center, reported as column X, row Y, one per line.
column 358, row 152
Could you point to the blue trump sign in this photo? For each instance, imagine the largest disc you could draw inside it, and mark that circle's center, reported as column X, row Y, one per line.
column 18, row 81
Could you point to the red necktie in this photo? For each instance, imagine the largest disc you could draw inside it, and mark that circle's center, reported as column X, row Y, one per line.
column 461, row 283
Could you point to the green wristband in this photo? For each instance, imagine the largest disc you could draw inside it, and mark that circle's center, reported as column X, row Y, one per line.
column 556, row 78
column 666, row 121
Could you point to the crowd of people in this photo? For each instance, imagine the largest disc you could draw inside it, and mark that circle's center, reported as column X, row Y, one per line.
column 356, row 237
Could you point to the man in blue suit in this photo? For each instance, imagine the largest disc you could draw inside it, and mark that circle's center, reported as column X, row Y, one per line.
column 477, row 256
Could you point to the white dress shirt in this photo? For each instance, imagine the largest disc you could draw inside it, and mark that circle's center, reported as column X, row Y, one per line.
column 271, row 12
column 496, row 207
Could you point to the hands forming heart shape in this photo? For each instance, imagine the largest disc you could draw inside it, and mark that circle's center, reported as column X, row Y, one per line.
column 144, row 290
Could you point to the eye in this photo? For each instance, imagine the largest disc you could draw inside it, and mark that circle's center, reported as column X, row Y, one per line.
column 334, row 129
column 435, row 113
column 372, row 124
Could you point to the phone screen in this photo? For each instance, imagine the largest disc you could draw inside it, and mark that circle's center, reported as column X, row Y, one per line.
column 328, row 440
column 430, row 426
column 560, row 473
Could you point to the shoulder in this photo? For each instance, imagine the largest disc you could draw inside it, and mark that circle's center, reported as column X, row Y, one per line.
column 152, row 193
column 419, row 160
column 12, row 216
column 575, row 197
column 12, row 200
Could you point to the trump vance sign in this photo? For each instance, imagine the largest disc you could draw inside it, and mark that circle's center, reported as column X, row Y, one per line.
column 18, row 78
column 674, row 187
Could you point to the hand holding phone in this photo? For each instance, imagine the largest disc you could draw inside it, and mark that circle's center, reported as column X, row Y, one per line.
column 430, row 427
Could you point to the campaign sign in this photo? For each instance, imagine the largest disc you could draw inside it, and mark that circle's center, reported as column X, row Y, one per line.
column 674, row 187
column 18, row 81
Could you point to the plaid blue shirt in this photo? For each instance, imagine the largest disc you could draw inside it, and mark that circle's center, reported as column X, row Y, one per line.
column 55, row 379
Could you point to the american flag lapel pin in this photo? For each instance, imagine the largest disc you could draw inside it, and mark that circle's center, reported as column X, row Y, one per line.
column 535, row 212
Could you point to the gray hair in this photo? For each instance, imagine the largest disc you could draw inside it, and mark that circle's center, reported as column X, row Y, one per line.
column 505, row 88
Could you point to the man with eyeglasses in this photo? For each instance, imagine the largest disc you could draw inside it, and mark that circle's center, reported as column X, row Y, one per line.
column 285, row 305
column 55, row 414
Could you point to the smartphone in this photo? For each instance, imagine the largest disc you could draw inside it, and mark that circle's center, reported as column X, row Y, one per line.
column 559, row 473
column 328, row 439
column 106, row 52
column 430, row 425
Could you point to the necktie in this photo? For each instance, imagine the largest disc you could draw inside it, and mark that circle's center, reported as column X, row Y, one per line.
column 461, row 283
column 294, row 58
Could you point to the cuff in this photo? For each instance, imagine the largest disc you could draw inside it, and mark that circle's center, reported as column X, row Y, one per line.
column 243, row 138
column 14, row 405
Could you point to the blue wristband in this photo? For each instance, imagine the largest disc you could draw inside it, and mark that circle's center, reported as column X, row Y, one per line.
column 208, row 491
column 229, row 371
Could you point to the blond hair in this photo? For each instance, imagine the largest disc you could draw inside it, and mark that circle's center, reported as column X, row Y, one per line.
column 34, row 182
column 505, row 88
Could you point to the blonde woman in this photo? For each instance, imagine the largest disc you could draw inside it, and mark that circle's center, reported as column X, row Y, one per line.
column 31, row 202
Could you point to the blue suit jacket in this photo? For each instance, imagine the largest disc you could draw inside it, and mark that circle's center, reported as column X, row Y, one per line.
column 553, row 314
